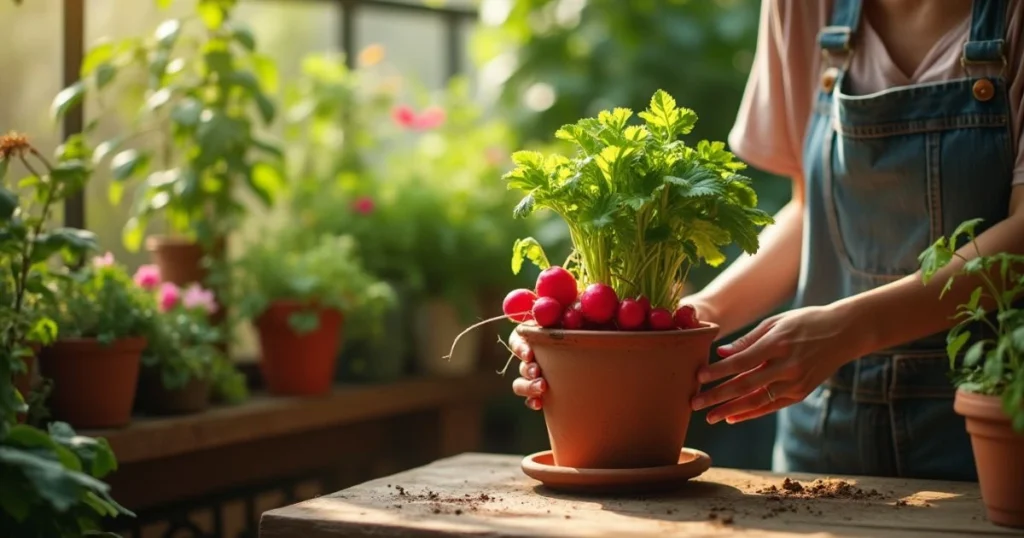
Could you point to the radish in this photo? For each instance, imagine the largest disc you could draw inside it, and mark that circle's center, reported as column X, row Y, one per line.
column 645, row 303
column 547, row 312
column 558, row 284
column 598, row 303
column 686, row 317
column 660, row 319
column 630, row 315
column 572, row 319
column 518, row 305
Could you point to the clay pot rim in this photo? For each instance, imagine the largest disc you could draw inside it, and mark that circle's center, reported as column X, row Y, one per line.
column 979, row 406
column 154, row 241
column 558, row 334
column 129, row 343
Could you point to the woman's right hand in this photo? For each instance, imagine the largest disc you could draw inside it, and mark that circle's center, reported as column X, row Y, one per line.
column 530, row 384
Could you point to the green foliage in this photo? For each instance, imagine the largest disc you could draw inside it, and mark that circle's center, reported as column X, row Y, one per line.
column 320, row 271
column 182, row 343
column 993, row 364
column 101, row 301
column 198, row 94
column 51, row 482
column 642, row 207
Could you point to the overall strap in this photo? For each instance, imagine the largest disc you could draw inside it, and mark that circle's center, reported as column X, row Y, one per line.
column 837, row 37
column 987, row 44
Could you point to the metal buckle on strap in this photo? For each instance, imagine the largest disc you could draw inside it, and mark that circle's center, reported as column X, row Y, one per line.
column 964, row 62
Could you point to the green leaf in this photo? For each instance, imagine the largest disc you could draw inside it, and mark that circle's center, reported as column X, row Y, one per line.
column 25, row 436
column 105, row 148
column 974, row 354
column 965, row 228
column 243, row 35
column 975, row 297
column 304, row 322
column 67, row 99
column 993, row 365
column 266, row 72
column 953, row 345
column 186, row 112
column 59, row 487
column 105, row 74
column 72, row 174
column 266, row 106
column 131, row 234
column 219, row 62
column 128, row 163
column 8, row 203
column 528, row 249
column 71, row 241
column 158, row 99
column 266, row 181
column 268, row 147
column 934, row 258
column 212, row 14
column 167, row 33
column 98, row 55
column 525, row 207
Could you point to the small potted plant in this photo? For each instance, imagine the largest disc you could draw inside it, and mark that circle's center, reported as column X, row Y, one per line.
column 178, row 363
column 103, row 320
column 986, row 353
column 642, row 208
column 298, row 290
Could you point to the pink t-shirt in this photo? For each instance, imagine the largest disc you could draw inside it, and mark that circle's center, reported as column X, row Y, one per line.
column 786, row 75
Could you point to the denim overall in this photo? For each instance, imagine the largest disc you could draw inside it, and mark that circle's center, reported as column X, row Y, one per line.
column 886, row 175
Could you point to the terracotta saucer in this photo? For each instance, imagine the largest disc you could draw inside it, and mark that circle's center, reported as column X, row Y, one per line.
column 540, row 466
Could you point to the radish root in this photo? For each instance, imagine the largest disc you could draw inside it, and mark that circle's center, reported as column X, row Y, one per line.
column 480, row 324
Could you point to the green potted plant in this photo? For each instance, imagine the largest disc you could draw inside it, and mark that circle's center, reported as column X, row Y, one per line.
column 194, row 153
column 986, row 354
column 50, row 481
column 104, row 321
column 298, row 290
column 178, row 363
column 642, row 207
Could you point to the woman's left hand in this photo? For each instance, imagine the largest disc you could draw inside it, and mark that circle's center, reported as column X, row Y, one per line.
column 780, row 362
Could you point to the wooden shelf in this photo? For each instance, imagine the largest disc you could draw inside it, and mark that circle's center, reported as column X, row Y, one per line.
column 264, row 416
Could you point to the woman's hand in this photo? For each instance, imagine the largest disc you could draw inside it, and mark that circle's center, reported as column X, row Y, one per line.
column 780, row 362
column 532, row 386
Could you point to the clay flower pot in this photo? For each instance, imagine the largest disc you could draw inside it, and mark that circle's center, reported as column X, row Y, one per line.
column 180, row 260
column 618, row 400
column 298, row 364
column 93, row 384
column 193, row 397
column 997, row 450
column 437, row 324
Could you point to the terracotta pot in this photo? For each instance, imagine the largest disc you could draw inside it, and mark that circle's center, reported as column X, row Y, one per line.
column 193, row 397
column 93, row 384
column 997, row 450
column 436, row 325
column 298, row 364
column 618, row 400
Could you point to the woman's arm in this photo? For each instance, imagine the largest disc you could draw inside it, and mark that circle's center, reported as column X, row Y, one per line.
column 906, row 310
column 754, row 285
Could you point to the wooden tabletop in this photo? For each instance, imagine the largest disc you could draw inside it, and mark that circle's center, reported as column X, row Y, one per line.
column 488, row 495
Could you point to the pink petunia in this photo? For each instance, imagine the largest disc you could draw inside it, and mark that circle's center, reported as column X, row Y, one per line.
column 168, row 296
column 198, row 298
column 364, row 205
column 147, row 277
column 431, row 118
column 404, row 116
column 105, row 260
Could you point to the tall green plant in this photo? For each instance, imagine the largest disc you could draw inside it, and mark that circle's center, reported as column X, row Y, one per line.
column 198, row 92
column 50, row 481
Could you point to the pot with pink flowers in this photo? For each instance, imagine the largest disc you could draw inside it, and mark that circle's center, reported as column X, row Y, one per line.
column 180, row 358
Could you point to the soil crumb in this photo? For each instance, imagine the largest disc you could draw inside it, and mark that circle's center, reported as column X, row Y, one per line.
column 440, row 504
column 818, row 489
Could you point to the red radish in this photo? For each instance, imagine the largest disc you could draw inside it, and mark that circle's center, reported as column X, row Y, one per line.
column 630, row 315
column 686, row 317
column 547, row 312
column 572, row 319
column 599, row 303
column 660, row 319
column 557, row 283
column 646, row 303
column 518, row 305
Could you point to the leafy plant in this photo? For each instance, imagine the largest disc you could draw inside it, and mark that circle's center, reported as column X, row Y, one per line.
column 318, row 272
column 50, row 481
column 993, row 364
column 200, row 91
column 100, row 300
column 641, row 205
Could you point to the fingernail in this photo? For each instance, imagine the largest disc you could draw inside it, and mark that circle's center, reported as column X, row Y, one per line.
column 539, row 385
column 713, row 419
column 533, row 371
column 533, row 403
column 730, row 420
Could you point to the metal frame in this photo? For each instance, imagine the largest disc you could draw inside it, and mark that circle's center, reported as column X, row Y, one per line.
column 74, row 51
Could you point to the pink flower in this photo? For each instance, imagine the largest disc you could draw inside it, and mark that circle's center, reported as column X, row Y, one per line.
column 404, row 116
column 105, row 260
column 364, row 205
column 430, row 118
column 197, row 297
column 147, row 277
column 168, row 296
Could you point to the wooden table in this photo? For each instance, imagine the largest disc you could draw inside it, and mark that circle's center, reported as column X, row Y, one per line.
column 488, row 495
